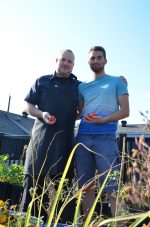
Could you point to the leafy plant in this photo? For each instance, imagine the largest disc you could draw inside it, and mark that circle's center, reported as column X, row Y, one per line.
column 3, row 211
column 136, row 173
column 12, row 218
column 12, row 174
column 98, row 221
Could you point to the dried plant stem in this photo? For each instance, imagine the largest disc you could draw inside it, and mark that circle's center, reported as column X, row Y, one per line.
column 88, row 219
column 120, row 178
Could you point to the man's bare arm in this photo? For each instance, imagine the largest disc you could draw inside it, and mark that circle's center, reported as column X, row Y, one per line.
column 35, row 112
column 122, row 113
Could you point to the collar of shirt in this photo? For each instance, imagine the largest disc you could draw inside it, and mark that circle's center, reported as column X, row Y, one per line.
column 54, row 76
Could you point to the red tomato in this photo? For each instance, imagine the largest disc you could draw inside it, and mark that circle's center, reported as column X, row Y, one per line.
column 92, row 114
column 52, row 118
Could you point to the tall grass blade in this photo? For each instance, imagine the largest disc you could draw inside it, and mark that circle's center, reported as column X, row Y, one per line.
column 40, row 207
column 35, row 185
column 138, row 221
column 77, row 194
column 77, row 208
column 120, row 178
column 121, row 218
column 58, row 193
column 28, row 214
column 88, row 219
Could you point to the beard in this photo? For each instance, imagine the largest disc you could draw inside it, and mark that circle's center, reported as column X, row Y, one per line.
column 64, row 71
column 96, row 68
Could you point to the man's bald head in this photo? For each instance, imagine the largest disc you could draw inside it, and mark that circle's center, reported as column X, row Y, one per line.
column 65, row 63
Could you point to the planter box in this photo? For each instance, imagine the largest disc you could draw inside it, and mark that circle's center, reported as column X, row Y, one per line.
column 61, row 225
column 10, row 191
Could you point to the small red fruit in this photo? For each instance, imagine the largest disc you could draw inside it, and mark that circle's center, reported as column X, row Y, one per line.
column 52, row 118
column 92, row 114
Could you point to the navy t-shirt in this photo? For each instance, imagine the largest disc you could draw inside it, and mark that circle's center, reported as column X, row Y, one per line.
column 59, row 97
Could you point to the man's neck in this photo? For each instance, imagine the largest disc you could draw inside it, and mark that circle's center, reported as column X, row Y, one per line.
column 62, row 76
column 98, row 75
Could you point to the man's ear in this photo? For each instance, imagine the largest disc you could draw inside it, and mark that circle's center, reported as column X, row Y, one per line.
column 56, row 60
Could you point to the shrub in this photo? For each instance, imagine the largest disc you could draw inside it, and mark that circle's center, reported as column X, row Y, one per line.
column 12, row 174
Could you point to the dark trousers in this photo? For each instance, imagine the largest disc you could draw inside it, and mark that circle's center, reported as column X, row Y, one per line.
column 68, row 213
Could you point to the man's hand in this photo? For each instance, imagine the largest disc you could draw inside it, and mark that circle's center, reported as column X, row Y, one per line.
column 92, row 118
column 49, row 119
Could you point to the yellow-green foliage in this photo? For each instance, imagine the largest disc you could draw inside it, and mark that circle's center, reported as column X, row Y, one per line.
column 12, row 174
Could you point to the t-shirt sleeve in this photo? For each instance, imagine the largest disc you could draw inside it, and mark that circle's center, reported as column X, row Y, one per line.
column 122, row 88
column 33, row 95
column 80, row 97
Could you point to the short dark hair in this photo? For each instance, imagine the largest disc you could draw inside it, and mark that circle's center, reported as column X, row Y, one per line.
column 98, row 48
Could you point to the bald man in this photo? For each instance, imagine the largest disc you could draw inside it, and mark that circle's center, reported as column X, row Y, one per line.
column 53, row 101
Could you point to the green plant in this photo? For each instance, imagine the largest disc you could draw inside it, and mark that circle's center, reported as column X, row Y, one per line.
column 66, row 197
column 12, row 174
column 11, row 217
column 98, row 221
column 3, row 211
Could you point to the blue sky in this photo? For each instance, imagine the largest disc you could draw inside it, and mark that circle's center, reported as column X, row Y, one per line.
column 33, row 32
